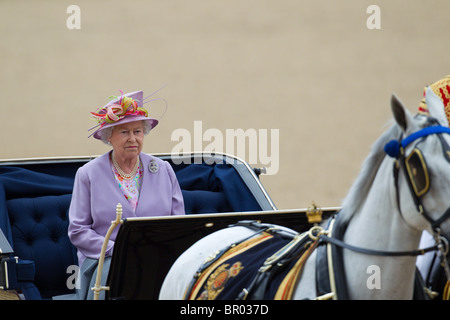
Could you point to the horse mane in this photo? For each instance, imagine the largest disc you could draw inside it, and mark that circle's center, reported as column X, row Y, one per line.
column 359, row 190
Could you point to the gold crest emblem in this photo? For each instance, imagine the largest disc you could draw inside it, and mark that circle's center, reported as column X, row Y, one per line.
column 218, row 279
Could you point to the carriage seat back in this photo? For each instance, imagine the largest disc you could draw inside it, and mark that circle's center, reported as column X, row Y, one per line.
column 39, row 229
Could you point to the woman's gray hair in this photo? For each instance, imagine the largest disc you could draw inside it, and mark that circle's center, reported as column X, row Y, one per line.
column 106, row 133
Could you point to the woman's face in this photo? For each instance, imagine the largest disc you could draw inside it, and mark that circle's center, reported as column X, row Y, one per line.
column 127, row 139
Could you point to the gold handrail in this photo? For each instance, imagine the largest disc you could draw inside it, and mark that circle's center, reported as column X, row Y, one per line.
column 98, row 287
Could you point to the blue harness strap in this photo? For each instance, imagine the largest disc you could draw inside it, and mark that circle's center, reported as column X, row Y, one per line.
column 393, row 147
column 423, row 133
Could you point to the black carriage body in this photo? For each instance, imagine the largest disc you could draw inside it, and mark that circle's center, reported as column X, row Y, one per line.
column 146, row 248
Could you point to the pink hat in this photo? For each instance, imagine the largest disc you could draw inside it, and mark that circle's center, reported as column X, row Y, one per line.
column 126, row 108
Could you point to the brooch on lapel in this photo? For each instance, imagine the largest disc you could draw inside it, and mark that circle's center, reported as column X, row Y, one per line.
column 153, row 166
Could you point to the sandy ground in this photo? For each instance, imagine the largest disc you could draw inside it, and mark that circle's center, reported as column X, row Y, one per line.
column 310, row 69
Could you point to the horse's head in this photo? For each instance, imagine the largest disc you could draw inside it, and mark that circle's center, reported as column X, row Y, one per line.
column 423, row 165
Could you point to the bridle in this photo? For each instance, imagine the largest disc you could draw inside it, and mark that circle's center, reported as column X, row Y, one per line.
column 416, row 171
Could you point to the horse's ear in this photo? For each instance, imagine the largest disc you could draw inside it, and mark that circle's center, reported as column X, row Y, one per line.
column 436, row 107
column 401, row 115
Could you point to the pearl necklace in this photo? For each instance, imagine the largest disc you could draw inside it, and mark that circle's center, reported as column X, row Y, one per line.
column 126, row 176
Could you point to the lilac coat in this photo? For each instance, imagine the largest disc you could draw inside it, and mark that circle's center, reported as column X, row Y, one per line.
column 96, row 194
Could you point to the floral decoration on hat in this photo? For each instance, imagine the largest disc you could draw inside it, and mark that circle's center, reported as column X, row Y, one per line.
column 126, row 106
column 122, row 109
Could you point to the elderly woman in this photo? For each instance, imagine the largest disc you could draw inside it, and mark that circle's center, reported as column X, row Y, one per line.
column 143, row 184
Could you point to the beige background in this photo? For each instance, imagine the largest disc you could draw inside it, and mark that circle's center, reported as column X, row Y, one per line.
column 310, row 68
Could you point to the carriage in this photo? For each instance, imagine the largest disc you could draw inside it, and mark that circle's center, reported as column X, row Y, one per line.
column 219, row 190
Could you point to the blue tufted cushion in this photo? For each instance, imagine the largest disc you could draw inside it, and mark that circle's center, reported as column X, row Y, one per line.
column 39, row 228
column 214, row 188
column 202, row 201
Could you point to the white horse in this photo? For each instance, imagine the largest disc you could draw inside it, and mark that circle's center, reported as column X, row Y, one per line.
column 379, row 213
